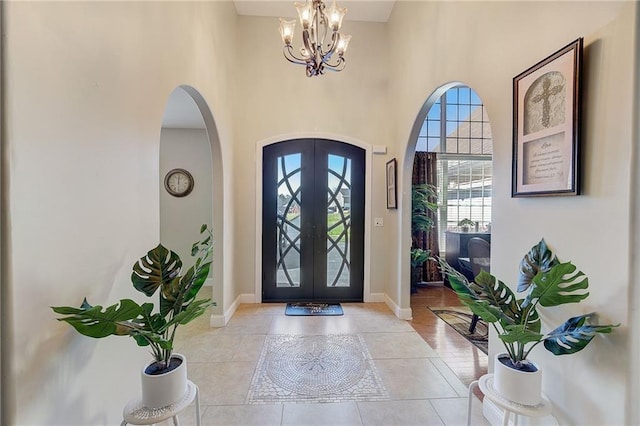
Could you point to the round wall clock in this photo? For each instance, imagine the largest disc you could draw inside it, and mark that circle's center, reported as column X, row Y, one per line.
column 178, row 182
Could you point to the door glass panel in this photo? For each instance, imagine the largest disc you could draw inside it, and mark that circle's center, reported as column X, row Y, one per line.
column 338, row 221
column 288, row 220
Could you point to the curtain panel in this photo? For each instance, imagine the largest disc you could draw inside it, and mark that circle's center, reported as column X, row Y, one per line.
column 425, row 171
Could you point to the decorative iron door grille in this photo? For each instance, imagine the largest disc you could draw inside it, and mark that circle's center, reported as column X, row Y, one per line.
column 313, row 221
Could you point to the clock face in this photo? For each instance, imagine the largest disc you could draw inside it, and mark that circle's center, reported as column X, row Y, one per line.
column 178, row 182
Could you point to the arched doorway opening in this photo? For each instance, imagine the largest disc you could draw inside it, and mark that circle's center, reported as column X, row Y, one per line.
column 450, row 151
column 453, row 156
column 189, row 141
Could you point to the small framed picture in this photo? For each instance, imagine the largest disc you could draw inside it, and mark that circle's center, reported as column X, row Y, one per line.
column 392, row 195
column 546, row 125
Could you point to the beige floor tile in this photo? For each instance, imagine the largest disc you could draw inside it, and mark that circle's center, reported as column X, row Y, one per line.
column 248, row 324
column 312, row 325
column 413, row 379
column 210, row 347
column 260, row 309
column 451, row 377
column 222, row 363
column 243, row 415
column 399, row 413
column 200, row 325
column 380, row 323
column 397, row 345
column 366, row 309
column 250, row 348
column 333, row 414
column 454, row 411
column 222, row 383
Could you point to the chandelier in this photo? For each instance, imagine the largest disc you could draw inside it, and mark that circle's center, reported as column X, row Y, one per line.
column 317, row 53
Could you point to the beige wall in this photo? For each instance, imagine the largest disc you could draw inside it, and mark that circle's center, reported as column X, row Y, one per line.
column 181, row 217
column 485, row 45
column 276, row 101
column 85, row 87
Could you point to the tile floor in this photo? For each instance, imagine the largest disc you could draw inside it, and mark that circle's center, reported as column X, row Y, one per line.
column 464, row 359
column 421, row 377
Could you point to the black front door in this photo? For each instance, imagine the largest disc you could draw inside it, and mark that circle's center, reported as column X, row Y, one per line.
column 313, row 221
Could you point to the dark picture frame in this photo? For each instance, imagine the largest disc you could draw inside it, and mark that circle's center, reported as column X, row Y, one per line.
column 392, row 195
column 546, row 125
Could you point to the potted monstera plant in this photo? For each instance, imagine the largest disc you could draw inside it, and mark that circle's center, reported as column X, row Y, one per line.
column 164, row 379
column 546, row 282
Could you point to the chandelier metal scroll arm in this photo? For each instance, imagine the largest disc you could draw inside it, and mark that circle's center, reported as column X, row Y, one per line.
column 326, row 57
column 309, row 47
column 337, row 67
column 287, row 51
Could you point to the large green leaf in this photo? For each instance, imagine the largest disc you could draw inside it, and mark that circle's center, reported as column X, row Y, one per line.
column 460, row 285
column 518, row 333
column 92, row 321
column 191, row 312
column 574, row 335
column 533, row 319
column 159, row 266
column 487, row 297
column 199, row 278
column 146, row 337
column 498, row 294
column 561, row 284
column 154, row 322
column 171, row 296
column 539, row 258
column 485, row 310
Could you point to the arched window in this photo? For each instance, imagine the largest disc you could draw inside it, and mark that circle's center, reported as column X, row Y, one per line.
column 457, row 130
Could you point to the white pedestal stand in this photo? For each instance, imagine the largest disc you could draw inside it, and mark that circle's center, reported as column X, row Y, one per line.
column 136, row 414
column 486, row 387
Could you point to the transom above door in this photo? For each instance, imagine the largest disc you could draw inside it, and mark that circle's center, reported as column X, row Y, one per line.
column 313, row 221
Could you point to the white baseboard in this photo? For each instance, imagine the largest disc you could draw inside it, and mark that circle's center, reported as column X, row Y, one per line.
column 376, row 298
column 402, row 313
column 247, row 298
column 218, row 320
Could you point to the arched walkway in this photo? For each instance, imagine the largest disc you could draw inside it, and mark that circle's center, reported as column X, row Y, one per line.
column 189, row 139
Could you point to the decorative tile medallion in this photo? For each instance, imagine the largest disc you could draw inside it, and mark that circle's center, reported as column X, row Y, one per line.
column 332, row 368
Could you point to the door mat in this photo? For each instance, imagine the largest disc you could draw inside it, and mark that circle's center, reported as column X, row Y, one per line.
column 459, row 318
column 313, row 309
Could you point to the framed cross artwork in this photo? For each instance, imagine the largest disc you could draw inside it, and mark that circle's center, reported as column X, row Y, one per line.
column 546, row 125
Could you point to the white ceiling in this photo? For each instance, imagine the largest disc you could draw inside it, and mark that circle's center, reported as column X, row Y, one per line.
column 181, row 110
column 358, row 10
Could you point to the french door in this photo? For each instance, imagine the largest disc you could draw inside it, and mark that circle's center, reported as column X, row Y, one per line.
column 313, row 221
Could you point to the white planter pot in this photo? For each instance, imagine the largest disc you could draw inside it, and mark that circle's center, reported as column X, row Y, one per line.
column 164, row 389
column 523, row 387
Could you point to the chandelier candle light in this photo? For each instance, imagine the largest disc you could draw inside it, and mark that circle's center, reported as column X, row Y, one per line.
column 317, row 54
